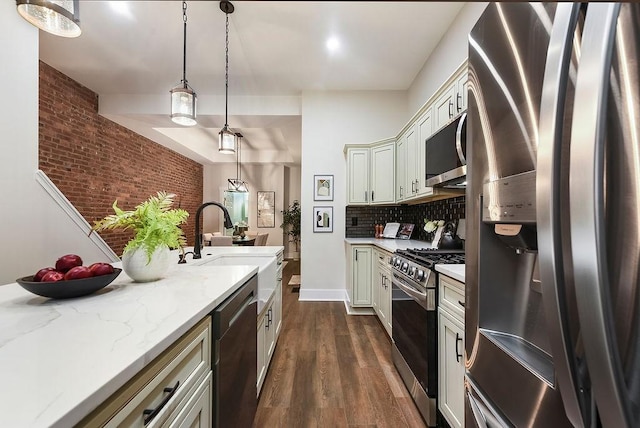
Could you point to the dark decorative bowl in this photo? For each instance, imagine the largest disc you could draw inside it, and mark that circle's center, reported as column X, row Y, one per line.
column 68, row 289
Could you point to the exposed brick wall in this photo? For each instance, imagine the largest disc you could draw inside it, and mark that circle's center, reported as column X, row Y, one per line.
column 95, row 161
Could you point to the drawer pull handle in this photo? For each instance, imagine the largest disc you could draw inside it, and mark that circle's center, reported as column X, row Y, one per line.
column 458, row 354
column 152, row 413
column 461, row 303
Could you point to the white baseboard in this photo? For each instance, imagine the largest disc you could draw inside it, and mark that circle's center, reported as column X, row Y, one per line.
column 322, row 295
column 357, row 311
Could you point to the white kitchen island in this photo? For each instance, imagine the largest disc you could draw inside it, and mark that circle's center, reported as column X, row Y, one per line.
column 60, row 359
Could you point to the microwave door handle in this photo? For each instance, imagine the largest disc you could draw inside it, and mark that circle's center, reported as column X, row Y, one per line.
column 461, row 154
column 548, row 211
column 588, row 226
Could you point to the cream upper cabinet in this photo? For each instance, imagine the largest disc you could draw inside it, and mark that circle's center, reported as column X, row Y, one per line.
column 371, row 174
column 381, row 173
column 424, row 129
column 401, row 168
column 412, row 163
column 461, row 93
column 358, row 176
column 444, row 107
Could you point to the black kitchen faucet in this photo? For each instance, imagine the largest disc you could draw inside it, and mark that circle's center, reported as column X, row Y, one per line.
column 227, row 224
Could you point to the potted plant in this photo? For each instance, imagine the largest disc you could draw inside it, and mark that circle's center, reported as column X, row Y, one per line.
column 157, row 229
column 291, row 221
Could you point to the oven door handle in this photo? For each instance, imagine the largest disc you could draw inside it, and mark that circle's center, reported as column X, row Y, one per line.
column 419, row 297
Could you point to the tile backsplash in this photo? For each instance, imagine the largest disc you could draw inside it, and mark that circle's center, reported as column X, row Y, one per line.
column 360, row 220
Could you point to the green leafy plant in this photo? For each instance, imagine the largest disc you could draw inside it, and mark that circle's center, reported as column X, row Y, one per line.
column 154, row 222
column 291, row 222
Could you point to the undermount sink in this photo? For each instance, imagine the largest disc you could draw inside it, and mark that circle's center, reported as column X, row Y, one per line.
column 267, row 272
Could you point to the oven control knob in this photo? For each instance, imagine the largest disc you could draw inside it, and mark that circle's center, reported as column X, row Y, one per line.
column 420, row 275
column 412, row 271
column 397, row 263
column 405, row 267
column 392, row 261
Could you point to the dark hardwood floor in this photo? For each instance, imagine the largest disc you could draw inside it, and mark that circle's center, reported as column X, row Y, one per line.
column 332, row 370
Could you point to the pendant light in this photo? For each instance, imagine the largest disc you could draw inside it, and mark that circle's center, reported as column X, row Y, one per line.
column 58, row 17
column 183, row 98
column 237, row 184
column 226, row 138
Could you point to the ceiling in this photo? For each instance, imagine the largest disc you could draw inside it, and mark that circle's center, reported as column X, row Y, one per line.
column 130, row 53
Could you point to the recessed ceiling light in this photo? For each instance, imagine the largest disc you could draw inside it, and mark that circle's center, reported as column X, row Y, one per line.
column 333, row 44
column 121, row 7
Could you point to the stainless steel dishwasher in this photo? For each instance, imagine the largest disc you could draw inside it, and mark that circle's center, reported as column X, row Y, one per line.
column 235, row 358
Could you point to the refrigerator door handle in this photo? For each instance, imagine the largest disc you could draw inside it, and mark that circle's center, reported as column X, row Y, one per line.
column 587, row 213
column 548, row 210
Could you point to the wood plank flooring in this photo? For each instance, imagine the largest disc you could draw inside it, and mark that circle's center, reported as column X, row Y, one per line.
column 332, row 370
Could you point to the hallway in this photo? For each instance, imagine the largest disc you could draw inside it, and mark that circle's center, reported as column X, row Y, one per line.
column 332, row 370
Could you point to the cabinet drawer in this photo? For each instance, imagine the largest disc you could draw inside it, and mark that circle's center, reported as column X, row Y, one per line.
column 451, row 296
column 196, row 413
column 162, row 385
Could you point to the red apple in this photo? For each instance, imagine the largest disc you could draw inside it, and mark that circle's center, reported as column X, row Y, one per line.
column 53, row 276
column 38, row 276
column 77, row 272
column 67, row 262
column 98, row 269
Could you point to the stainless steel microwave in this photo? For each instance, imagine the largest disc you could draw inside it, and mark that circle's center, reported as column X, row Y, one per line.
column 446, row 164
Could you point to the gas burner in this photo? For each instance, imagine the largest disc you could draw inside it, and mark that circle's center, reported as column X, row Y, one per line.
column 431, row 256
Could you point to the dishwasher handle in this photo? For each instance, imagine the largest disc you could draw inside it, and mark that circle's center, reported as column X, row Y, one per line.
column 232, row 308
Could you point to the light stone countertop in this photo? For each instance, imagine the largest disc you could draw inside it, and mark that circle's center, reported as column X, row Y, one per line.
column 390, row 245
column 454, row 271
column 59, row 359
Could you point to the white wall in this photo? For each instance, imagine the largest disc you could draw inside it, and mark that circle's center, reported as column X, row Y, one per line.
column 34, row 230
column 445, row 58
column 329, row 121
column 292, row 182
column 268, row 177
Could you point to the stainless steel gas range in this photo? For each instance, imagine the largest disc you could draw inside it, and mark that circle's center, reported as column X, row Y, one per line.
column 414, row 319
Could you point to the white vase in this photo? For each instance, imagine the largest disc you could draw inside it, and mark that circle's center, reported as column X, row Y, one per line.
column 136, row 264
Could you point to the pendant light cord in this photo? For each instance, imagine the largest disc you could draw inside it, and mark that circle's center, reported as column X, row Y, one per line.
column 184, row 45
column 226, row 70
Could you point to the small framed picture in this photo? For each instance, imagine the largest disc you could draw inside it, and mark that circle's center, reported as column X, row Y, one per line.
column 266, row 209
column 322, row 219
column 323, row 187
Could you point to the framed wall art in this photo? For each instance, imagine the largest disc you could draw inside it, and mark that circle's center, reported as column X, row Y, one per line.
column 266, row 209
column 323, row 187
column 322, row 219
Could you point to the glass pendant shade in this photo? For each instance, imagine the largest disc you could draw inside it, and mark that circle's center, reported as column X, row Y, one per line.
column 58, row 17
column 236, row 185
column 183, row 106
column 226, row 141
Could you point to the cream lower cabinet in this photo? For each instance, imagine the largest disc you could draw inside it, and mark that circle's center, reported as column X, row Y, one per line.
column 451, row 351
column 174, row 390
column 359, row 288
column 382, row 288
column 269, row 325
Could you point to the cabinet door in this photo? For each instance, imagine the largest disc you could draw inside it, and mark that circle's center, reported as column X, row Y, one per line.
column 277, row 309
column 401, row 168
column 358, row 176
column 461, row 93
column 385, row 300
column 376, row 275
column 451, row 369
column 361, row 281
column 382, row 174
column 424, row 131
column 444, row 108
column 270, row 336
column 412, row 163
column 262, row 352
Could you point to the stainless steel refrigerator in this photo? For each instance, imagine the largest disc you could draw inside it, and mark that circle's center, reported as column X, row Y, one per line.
column 553, row 216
